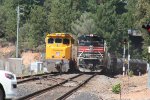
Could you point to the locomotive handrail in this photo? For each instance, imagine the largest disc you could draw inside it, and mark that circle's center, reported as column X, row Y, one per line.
column 100, row 54
column 81, row 53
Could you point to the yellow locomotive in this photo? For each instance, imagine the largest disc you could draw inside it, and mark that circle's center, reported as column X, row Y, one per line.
column 58, row 51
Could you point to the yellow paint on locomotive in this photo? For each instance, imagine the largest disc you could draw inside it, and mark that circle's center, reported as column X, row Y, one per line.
column 58, row 46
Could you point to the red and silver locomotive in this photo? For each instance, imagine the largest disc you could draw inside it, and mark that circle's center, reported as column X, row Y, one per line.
column 92, row 53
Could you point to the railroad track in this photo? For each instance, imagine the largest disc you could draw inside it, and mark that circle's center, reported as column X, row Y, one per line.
column 24, row 79
column 36, row 95
column 27, row 76
column 70, row 92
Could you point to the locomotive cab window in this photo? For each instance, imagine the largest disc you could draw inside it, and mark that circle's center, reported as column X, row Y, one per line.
column 50, row 40
column 66, row 41
column 81, row 43
column 91, row 40
column 58, row 40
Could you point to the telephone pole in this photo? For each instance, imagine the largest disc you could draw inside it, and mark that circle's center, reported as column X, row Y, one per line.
column 123, row 69
column 18, row 19
column 148, row 67
column 128, row 59
column 124, row 53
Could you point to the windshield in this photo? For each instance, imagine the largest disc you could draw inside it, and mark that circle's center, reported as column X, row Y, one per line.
column 58, row 40
column 50, row 40
column 66, row 41
column 88, row 40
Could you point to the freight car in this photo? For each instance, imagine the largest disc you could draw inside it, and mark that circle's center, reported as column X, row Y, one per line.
column 135, row 65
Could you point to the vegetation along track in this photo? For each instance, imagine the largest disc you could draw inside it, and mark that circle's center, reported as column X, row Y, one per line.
column 79, row 79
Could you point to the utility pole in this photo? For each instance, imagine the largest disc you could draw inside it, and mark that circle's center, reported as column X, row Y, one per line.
column 148, row 67
column 18, row 19
column 124, row 53
column 128, row 59
column 123, row 69
column 128, row 65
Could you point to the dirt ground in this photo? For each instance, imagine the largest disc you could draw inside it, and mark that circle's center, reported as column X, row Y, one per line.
column 135, row 88
column 132, row 88
column 29, row 57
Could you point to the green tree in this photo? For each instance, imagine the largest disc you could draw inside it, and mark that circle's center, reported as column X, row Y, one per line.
column 39, row 24
column 8, row 20
column 85, row 25
column 62, row 13
column 106, row 22
column 142, row 15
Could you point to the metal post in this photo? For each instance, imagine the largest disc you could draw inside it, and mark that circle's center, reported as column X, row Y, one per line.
column 128, row 59
column 123, row 59
column 148, row 67
column 18, row 19
column 148, row 76
column 128, row 65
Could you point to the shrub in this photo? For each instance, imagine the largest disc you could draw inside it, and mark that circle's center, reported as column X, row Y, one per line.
column 130, row 73
column 116, row 88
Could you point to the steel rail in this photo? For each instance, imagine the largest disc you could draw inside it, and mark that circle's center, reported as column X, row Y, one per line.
column 27, row 76
column 35, row 77
column 37, row 93
column 66, row 95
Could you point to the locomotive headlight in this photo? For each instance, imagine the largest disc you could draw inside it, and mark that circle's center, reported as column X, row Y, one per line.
column 81, row 59
column 84, row 55
column 91, row 48
column 97, row 56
